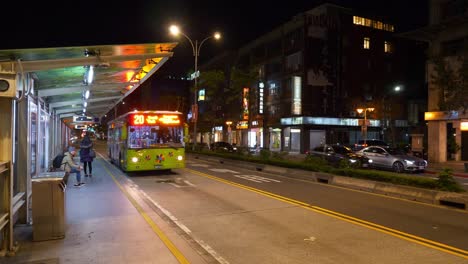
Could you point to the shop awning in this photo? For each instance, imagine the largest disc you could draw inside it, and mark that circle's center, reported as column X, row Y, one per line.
column 62, row 76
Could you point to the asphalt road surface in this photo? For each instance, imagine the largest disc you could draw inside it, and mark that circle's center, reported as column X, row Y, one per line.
column 244, row 216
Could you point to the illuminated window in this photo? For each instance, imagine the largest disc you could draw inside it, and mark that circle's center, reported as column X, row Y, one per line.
column 366, row 44
column 366, row 22
column 388, row 47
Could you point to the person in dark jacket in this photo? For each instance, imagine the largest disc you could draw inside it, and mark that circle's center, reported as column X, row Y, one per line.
column 86, row 146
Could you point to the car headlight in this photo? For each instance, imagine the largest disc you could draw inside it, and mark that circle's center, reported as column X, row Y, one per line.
column 409, row 162
column 370, row 161
column 352, row 160
column 135, row 159
column 180, row 157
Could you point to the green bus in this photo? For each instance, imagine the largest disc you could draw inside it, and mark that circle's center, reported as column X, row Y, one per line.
column 147, row 140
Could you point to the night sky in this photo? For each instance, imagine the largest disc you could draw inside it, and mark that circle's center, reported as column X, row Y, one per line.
column 69, row 23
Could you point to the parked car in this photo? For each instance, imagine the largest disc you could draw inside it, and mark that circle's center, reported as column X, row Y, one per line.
column 370, row 142
column 336, row 153
column 222, row 146
column 393, row 159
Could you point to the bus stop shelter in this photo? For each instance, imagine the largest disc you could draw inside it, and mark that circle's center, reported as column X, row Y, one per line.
column 44, row 93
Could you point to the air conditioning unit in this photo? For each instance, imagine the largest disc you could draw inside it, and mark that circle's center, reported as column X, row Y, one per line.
column 8, row 85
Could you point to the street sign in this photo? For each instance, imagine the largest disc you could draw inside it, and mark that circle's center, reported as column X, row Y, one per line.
column 83, row 119
column 194, row 75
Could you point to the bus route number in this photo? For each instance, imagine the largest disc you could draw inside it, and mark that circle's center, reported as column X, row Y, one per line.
column 138, row 119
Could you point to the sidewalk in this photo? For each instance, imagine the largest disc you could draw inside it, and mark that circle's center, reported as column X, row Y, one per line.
column 103, row 225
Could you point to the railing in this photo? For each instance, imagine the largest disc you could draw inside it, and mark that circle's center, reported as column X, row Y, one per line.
column 9, row 206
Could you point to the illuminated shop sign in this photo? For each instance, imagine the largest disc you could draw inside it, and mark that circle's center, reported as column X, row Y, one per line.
column 245, row 104
column 430, row 116
column 152, row 119
column 242, row 125
column 464, row 126
column 261, row 86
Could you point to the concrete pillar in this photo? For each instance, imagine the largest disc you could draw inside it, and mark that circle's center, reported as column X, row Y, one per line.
column 437, row 141
column 458, row 138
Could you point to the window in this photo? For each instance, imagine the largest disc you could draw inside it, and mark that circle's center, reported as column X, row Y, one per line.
column 366, row 44
column 388, row 47
column 294, row 61
column 154, row 136
column 372, row 23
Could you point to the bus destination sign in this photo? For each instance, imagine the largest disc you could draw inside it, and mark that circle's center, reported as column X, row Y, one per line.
column 152, row 119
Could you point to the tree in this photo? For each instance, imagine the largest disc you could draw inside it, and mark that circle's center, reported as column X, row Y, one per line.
column 223, row 94
column 451, row 80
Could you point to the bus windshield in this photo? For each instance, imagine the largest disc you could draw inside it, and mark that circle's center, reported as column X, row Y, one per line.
column 155, row 136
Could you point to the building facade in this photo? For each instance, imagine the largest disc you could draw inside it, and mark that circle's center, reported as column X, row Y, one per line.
column 447, row 120
column 316, row 70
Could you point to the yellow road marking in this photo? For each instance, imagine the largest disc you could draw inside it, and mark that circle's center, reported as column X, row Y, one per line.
column 359, row 191
column 174, row 250
column 412, row 238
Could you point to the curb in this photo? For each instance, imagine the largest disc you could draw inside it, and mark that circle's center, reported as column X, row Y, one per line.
column 455, row 200
column 456, row 174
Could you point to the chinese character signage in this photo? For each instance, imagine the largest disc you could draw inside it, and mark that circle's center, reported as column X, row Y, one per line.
column 152, row 119
column 245, row 104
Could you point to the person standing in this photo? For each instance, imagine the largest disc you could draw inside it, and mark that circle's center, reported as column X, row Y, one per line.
column 86, row 149
column 70, row 166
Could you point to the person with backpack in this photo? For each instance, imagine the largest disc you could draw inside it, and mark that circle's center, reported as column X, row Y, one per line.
column 70, row 166
column 87, row 155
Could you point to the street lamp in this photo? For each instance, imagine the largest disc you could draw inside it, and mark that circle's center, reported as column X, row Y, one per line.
column 196, row 52
column 364, row 126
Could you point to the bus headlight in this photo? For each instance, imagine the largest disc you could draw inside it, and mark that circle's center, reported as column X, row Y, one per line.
column 135, row 159
column 180, row 157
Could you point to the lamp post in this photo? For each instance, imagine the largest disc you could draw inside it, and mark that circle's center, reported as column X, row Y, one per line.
column 196, row 52
column 364, row 126
column 387, row 110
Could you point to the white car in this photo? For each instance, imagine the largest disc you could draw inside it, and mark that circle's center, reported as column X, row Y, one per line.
column 393, row 159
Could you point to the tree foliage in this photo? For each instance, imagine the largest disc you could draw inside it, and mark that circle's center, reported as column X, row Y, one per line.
column 222, row 92
column 451, row 80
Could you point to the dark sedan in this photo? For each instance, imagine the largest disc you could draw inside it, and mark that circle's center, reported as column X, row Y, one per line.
column 335, row 154
column 223, row 147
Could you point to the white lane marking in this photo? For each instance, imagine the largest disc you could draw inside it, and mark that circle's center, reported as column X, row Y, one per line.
column 311, row 239
column 265, row 179
column 224, row 171
column 247, row 177
column 189, row 183
column 255, row 178
column 208, row 249
column 175, row 185
column 199, row 165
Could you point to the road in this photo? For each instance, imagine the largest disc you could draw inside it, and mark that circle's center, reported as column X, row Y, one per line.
column 242, row 216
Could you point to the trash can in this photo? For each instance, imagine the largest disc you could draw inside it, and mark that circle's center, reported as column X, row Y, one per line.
column 48, row 205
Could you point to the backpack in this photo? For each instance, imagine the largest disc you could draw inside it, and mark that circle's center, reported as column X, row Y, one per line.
column 57, row 162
